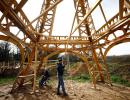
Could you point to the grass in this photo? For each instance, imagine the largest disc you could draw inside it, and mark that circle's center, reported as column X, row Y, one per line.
column 116, row 77
column 80, row 78
column 10, row 80
column 6, row 80
column 119, row 80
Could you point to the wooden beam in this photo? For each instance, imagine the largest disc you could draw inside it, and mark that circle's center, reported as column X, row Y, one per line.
column 15, row 42
column 86, row 16
column 127, row 4
column 103, row 14
column 2, row 29
column 20, row 5
column 44, row 12
column 121, row 6
column 16, row 20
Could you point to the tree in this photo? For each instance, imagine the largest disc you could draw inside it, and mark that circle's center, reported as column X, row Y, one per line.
column 5, row 51
column 17, row 55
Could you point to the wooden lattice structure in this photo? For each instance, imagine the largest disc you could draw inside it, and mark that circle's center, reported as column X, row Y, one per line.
column 89, row 43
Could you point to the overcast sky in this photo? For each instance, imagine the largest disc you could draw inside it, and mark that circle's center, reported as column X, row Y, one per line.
column 65, row 14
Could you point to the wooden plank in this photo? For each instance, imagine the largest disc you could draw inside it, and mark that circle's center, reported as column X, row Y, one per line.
column 26, row 76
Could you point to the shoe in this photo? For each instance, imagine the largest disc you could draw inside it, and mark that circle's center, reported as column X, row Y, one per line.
column 58, row 93
column 65, row 94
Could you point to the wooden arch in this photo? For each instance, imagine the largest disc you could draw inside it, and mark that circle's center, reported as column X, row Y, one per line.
column 84, row 58
column 9, row 39
column 114, row 44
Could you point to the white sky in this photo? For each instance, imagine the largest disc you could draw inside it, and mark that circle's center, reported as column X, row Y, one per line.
column 65, row 14
column 64, row 17
column 120, row 49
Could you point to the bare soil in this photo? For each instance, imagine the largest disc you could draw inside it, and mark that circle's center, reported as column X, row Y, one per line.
column 75, row 90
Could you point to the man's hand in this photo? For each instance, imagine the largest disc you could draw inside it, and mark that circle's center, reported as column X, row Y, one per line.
column 64, row 62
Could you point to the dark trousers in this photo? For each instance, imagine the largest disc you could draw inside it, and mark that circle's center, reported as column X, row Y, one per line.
column 60, row 84
column 42, row 82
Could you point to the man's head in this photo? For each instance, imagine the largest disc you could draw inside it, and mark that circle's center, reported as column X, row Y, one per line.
column 60, row 59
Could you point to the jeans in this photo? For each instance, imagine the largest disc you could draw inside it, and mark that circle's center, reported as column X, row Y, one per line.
column 60, row 84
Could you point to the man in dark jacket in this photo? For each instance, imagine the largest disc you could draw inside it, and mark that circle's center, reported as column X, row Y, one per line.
column 60, row 71
column 44, row 78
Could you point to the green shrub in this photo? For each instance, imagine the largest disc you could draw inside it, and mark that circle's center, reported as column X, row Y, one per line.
column 119, row 80
column 80, row 78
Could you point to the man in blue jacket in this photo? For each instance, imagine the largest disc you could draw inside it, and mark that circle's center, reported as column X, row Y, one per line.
column 60, row 71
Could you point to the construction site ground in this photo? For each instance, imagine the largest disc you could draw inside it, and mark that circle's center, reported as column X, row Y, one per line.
column 76, row 91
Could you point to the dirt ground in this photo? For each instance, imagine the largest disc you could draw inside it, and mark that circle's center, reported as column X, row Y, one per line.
column 75, row 90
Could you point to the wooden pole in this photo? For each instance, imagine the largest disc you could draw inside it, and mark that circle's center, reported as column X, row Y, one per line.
column 107, row 70
column 35, row 69
column 98, row 65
